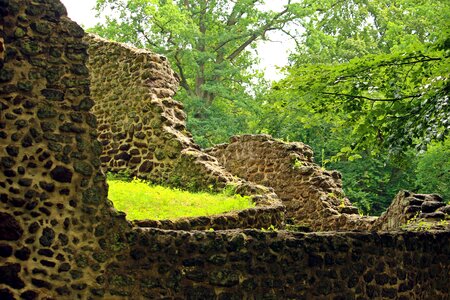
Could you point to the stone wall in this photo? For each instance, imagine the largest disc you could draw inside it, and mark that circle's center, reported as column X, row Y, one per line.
column 52, row 194
column 263, row 216
column 60, row 237
column 313, row 196
column 250, row 264
column 415, row 212
column 142, row 130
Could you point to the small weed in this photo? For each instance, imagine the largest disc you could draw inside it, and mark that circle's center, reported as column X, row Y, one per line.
column 297, row 164
column 417, row 224
column 443, row 223
column 423, row 226
column 410, row 221
column 269, row 229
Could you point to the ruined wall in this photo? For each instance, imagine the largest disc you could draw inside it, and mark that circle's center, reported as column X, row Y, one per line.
column 142, row 130
column 61, row 239
column 313, row 196
column 251, row 264
column 415, row 212
column 52, row 194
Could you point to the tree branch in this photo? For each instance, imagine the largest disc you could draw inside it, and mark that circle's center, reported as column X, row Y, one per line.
column 257, row 34
column 371, row 99
column 183, row 81
column 236, row 14
column 292, row 37
column 230, row 40
column 388, row 64
column 147, row 39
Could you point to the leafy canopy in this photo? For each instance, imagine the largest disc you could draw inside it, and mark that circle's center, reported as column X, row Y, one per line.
column 207, row 41
column 382, row 66
column 392, row 100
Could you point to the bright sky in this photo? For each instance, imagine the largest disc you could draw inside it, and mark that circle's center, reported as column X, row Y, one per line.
column 272, row 54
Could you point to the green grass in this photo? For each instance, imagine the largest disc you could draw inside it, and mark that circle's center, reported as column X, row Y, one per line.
column 140, row 201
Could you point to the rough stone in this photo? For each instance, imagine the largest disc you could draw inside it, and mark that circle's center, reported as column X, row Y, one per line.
column 5, row 250
column 431, row 206
column 61, row 174
column 23, row 253
column 29, row 295
column 10, row 229
column 47, row 237
column 6, row 294
column 9, row 275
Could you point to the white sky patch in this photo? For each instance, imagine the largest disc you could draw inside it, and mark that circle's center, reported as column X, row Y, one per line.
column 81, row 11
column 273, row 53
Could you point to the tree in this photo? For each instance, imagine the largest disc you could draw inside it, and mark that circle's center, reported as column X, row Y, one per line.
column 209, row 42
column 392, row 87
column 393, row 101
column 433, row 170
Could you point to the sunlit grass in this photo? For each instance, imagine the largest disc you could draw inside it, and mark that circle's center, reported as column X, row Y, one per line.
column 140, row 201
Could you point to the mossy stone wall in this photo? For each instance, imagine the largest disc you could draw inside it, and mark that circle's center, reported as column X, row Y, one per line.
column 313, row 196
column 52, row 192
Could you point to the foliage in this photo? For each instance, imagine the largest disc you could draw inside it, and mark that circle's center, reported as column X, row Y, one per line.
column 221, row 120
column 355, row 28
column 433, row 170
column 371, row 183
column 392, row 100
column 367, row 87
column 271, row 228
column 139, row 200
column 368, row 82
column 382, row 66
column 210, row 43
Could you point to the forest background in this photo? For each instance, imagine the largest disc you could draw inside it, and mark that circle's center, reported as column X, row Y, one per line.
column 367, row 86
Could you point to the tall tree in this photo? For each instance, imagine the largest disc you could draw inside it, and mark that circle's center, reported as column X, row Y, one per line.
column 384, row 66
column 208, row 41
column 211, row 45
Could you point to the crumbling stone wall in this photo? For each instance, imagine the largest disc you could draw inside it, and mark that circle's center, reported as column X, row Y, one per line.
column 61, row 239
column 52, row 194
column 415, row 212
column 313, row 196
column 141, row 128
column 250, row 264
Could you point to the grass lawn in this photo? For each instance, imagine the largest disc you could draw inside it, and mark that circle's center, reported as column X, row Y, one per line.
column 140, row 201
